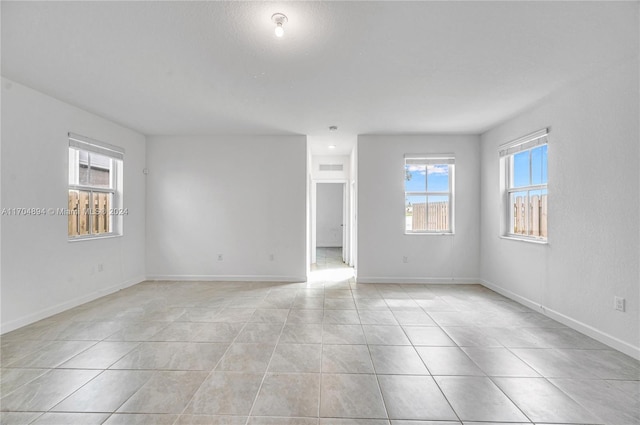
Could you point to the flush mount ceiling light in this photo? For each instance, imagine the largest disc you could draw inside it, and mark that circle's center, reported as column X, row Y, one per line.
column 332, row 146
column 279, row 19
column 333, row 128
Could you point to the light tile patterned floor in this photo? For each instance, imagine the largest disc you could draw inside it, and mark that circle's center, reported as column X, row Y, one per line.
column 324, row 352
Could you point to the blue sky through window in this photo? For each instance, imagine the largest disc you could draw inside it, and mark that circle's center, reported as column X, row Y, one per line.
column 530, row 167
column 432, row 178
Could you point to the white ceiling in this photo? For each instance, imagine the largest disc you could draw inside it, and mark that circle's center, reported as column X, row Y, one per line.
column 367, row 67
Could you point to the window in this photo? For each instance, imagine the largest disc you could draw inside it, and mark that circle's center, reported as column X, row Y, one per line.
column 428, row 194
column 525, row 170
column 95, row 188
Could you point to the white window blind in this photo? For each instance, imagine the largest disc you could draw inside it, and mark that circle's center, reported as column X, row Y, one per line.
column 422, row 160
column 95, row 146
column 523, row 143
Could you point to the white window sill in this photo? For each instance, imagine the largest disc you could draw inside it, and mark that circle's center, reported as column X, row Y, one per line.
column 93, row 238
column 528, row 240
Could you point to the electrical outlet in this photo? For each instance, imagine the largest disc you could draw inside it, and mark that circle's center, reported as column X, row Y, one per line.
column 220, row 257
column 100, row 267
column 618, row 303
column 405, row 259
column 272, row 257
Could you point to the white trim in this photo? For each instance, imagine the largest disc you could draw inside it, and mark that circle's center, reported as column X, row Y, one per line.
column 228, row 278
column 418, row 280
column 574, row 324
column 67, row 305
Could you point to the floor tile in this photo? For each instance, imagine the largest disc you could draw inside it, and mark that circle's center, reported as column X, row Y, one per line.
column 52, row 355
column 428, row 335
column 106, row 392
column 59, row 418
column 246, row 357
column 605, row 364
column 263, row 420
column 100, row 356
column 351, row 396
column 210, row 420
column 260, row 332
column 18, row 418
column 543, row 402
column 44, row 392
column 342, row 334
column 603, row 400
column 140, row 331
column 471, row 336
column 225, row 393
column 448, row 361
column 416, row 317
column 397, row 360
column 336, row 421
column 199, row 332
column 173, row 356
column 341, row 317
column 496, row 361
column 165, row 392
column 346, row 359
column 140, row 419
column 552, row 363
column 269, row 315
column 288, row 394
column 12, row 379
column 385, row 335
column 300, row 316
column 414, row 397
column 294, row 333
column 296, row 358
column 478, row 399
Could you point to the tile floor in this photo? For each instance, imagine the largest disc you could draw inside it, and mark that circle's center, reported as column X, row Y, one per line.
column 324, row 352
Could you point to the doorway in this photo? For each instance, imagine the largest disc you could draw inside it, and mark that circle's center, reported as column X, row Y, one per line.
column 330, row 220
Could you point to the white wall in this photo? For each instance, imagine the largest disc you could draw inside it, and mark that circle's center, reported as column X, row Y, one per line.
column 329, row 210
column 43, row 273
column 242, row 197
column 593, row 251
column 381, row 239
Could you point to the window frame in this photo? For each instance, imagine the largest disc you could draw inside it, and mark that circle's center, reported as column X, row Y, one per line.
column 115, row 189
column 432, row 159
column 507, row 153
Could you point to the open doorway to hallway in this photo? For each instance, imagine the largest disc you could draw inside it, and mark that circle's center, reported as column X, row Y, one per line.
column 330, row 214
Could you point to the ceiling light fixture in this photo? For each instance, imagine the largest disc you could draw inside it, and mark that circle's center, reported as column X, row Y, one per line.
column 333, row 128
column 332, row 146
column 279, row 19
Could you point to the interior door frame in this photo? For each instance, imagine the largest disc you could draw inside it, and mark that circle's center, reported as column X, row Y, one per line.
column 347, row 256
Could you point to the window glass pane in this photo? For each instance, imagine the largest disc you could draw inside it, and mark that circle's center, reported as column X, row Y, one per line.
column 415, row 213
column 100, row 173
column 73, row 166
column 438, row 213
column 545, row 178
column 84, row 208
column 539, row 165
column 415, row 178
column 537, row 225
column 438, row 178
column 101, row 218
column 520, row 169
column 519, row 212
column 83, row 169
column 73, row 213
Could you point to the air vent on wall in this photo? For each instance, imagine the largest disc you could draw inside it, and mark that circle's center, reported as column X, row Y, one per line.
column 331, row 167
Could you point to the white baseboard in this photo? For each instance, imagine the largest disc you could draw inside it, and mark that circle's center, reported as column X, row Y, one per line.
column 59, row 308
column 227, row 278
column 577, row 325
column 417, row 280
